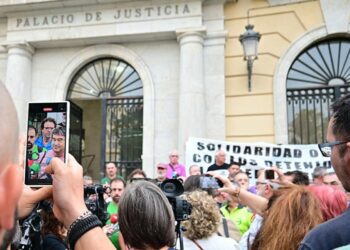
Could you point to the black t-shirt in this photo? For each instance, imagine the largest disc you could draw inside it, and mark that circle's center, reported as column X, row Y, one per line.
column 215, row 167
column 329, row 235
column 52, row 242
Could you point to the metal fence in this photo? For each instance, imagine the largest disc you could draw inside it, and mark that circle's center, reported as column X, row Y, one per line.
column 309, row 112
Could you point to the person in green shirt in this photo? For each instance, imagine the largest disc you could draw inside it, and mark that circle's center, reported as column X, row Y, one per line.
column 111, row 173
column 239, row 214
column 117, row 188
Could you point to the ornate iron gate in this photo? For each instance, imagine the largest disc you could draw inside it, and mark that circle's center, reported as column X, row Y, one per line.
column 122, row 135
column 309, row 112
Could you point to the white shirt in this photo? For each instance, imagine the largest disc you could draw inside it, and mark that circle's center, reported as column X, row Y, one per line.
column 251, row 233
column 213, row 242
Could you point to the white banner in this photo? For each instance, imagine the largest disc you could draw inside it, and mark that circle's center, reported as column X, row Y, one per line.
column 253, row 156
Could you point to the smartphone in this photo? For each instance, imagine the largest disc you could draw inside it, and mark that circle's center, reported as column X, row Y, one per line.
column 210, row 182
column 47, row 137
column 269, row 174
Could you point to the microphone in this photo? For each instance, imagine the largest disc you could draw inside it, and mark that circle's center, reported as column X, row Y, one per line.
column 114, row 227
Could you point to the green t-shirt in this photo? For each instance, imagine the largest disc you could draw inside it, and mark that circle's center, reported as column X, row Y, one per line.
column 113, row 209
column 106, row 180
column 240, row 215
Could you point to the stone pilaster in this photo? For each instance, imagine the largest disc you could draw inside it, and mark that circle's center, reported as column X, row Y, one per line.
column 214, row 79
column 191, row 87
column 19, row 77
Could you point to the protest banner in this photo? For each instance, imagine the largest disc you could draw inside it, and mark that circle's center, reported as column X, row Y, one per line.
column 253, row 156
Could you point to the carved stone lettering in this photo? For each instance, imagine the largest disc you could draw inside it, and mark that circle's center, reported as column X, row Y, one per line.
column 88, row 17
column 54, row 19
column 19, row 22
column 120, row 14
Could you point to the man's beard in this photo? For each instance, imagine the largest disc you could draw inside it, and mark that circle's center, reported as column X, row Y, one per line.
column 29, row 145
column 116, row 199
column 161, row 175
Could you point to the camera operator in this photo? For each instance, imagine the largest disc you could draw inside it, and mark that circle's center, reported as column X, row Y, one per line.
column 67, row 187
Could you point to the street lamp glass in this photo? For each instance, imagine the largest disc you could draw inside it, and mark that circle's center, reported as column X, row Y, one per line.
column 249, row 41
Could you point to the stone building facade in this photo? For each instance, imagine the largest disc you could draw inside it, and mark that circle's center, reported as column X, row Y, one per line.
column 176, row 47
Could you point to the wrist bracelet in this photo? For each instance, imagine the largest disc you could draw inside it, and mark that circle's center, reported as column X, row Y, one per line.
column 84, row 215
column 80, row 226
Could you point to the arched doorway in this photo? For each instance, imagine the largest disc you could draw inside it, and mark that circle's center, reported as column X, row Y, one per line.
column 107, row 115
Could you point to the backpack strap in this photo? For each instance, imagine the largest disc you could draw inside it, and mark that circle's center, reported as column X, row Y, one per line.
column 224, row 223
column 197, row 244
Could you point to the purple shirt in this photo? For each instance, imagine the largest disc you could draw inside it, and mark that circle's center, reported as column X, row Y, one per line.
column 178, row 168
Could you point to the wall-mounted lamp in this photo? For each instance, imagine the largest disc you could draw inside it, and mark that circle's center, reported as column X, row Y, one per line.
column 249, row 41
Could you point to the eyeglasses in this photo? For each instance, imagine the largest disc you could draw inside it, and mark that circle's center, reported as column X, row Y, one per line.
column 260, row 183
column 47, row 128
column 326, row 148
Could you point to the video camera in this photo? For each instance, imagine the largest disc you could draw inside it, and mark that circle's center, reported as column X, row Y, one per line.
column 94, row 201
column 172, row 188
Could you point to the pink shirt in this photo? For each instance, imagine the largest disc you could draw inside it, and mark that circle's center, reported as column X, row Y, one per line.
column 178, row 168
column 45, row 159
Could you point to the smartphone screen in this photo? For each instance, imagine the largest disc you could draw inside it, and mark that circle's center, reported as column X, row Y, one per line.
column 47, row 137
column 269, row 174
column 209, row 182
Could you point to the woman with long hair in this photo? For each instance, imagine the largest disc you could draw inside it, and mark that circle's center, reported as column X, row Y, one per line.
column 294, row 212
column 53, row 232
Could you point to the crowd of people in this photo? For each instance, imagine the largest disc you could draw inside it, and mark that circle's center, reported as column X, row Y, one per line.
column 286, row 212
column 41, row 148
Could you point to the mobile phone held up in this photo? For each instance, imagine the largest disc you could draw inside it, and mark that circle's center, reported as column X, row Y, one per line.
column 210, row 182
column 47, row 137
column 269, row 174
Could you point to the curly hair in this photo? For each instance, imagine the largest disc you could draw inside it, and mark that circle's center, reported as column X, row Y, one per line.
column 205, row 216
column 291, row 216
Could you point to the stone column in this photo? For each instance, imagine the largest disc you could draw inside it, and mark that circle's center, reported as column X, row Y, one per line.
column 214, row 78
column 191, row 114
column 19, row 77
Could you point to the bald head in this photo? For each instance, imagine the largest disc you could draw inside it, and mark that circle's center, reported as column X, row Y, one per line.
column 220, row 157
column 174, row 157
column 8, row 129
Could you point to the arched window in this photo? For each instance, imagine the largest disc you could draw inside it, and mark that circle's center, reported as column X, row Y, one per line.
column 105, row 78
column 318, row 76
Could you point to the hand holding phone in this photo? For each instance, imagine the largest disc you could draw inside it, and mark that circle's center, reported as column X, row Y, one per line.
column 47, row 137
